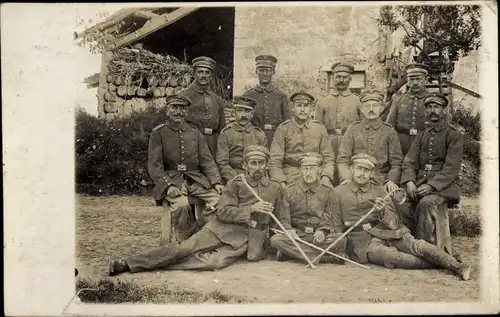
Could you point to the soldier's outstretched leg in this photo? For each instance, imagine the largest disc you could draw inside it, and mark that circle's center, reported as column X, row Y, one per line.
column 381, row 254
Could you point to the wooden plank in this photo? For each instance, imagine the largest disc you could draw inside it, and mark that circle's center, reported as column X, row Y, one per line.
column 151, row 27
column 147, row 14
column 115, row 18
column 467, row 91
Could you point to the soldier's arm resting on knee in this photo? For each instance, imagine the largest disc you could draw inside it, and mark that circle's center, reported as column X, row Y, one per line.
column 388, row 215
column 331, row 219
column 451, row 168
column 229, row 210
column 411, row 162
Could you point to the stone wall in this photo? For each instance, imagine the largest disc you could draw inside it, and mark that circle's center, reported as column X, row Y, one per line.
column 305, row 40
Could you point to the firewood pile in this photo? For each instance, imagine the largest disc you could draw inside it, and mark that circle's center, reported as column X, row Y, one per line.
column 138, row 78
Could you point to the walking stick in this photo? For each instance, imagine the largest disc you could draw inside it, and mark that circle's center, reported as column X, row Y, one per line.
column 356, row 224
column 310, row 264
column 320, row 249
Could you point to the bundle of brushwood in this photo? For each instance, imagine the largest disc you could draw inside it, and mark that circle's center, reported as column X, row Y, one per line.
column 138, row 73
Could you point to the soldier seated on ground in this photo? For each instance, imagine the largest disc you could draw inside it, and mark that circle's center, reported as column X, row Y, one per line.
column 381, row 239
column 236, row 136
column 241, row 226
column 308, row 213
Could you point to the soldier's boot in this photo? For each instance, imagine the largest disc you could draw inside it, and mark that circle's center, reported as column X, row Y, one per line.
column 118, row 267
column 435, row 255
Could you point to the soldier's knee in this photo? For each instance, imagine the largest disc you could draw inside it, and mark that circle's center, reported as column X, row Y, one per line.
column 428, row 201
column 276, row 241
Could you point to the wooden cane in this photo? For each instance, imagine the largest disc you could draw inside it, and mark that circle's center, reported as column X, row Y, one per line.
column 320, row 249
column 310, row 264
column 356, row 224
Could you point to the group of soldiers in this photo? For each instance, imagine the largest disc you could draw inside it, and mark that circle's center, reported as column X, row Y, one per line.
column 276, row 176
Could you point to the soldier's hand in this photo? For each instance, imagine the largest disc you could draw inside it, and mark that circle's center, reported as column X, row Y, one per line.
column 411, row 188
column 219, row 188
column 390, row 186
column 319, row 236
column 325, row 180
column 292, row 233
column 283, row 185
column 173, row 192
column 424, row 189
column 379, row 204
column 345, row 181
column 263, row 207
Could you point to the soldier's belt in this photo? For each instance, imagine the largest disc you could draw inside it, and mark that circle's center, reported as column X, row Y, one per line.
column 258, row 225
column 364, row 227
column 404, row 130
column 269, row 127
column 307, row 229
column 209, row 131
column 335, row 132
column 432, row 167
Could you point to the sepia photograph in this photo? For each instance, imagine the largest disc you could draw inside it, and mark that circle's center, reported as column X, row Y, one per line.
column 277, row 154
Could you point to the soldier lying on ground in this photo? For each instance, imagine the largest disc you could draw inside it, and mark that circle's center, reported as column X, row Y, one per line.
column 236, row 136
column 240, row 227
column 181, row 165
column 381, row 239
column 308, row 212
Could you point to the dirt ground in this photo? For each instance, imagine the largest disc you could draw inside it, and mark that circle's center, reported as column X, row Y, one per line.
column 114, row 227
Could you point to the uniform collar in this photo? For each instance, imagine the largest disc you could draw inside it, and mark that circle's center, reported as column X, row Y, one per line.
column 306, row 188
column 240, row 128
column 199, row 89
column 269, row 88
column 264, row 181
column 175, row 126
column 355, row 188
column 375, row 125
column 307, row 124
column 419, row 95
column 438, row 126
column 344, row 93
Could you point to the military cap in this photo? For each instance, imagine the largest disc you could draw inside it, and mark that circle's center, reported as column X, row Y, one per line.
column 372, row 95
column 364, row 160
column 178, row 100
column 265, row 61
column 244, row 102
column 342, row 67
column 204, row 61
column 256, row 151
column 416, row 69
column 302, row 95
column 437, row 98
column 311, row 158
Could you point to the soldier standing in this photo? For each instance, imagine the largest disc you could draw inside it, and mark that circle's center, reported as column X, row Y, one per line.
column 180, row 164
column 308, row 210
column 340, row 107
column 381, row 239
column 431, row 173
column 236, row 136
column 407, row 112
column 296, row 136
column 240, row 227
column 207, row 110
column 272, row 104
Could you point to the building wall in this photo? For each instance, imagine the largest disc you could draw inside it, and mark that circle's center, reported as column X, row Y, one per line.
column 466, row 74
column 305, row 39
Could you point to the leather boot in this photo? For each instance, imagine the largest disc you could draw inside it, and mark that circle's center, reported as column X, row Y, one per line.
column 118, row 267
column 464, row 271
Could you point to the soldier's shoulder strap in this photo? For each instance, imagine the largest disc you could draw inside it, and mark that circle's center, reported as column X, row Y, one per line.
column 158, row 127
column 284, row 123
column 229, row 125
column 357, row 122
column 388, row 124
column 316, row 121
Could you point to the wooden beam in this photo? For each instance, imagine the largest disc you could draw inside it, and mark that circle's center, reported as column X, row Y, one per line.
column 467, row 91
column 152, row 26
column 147, row 14
column 114, row 19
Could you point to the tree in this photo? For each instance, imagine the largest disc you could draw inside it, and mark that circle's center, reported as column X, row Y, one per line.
column 453, row 31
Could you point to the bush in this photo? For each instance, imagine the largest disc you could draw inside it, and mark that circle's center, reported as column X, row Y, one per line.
column 465, row 221
column 111, row 156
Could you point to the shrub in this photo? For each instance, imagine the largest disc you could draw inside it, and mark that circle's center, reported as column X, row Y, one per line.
column 465, row 221
column 111, row 156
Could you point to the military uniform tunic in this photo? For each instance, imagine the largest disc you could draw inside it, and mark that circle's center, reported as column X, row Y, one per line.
column 376, row 139
column 271, row 110
column 232, row 140
column 206, row 113
column 235, row 231
column 407, row 116
column 337, row 111
column 290, row 142
column 435, row 158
